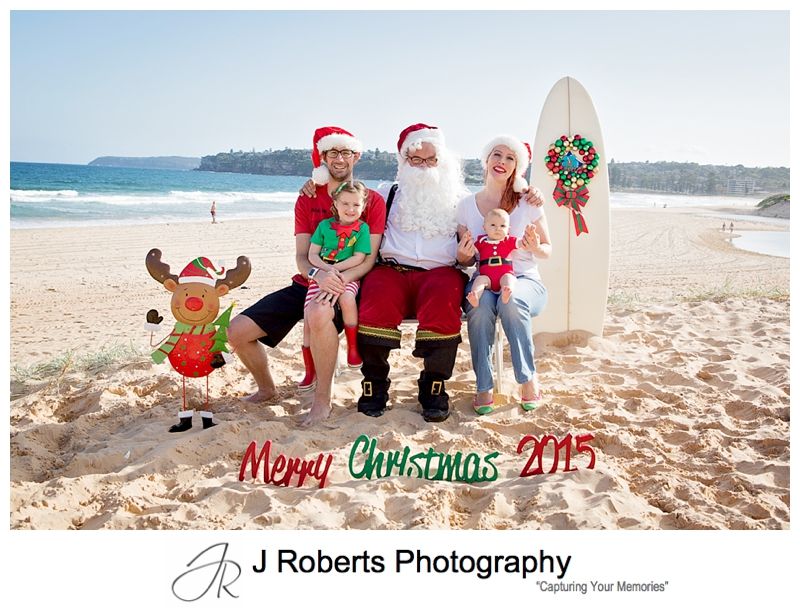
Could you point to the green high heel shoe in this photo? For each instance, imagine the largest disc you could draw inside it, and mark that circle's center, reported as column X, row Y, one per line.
column 483, row 409
column 529, row 404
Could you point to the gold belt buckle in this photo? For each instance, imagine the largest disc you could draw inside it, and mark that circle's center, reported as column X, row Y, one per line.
column 495, row 261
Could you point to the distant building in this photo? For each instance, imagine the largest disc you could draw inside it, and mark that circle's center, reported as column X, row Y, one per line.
column 741, row 186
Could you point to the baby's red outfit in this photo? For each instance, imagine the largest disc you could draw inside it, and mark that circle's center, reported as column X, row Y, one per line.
column 493, row 261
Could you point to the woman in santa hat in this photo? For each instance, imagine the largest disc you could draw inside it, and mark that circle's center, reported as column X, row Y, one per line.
column 505, row 160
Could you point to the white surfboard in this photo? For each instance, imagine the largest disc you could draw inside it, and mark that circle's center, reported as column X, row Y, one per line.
column 576, row 275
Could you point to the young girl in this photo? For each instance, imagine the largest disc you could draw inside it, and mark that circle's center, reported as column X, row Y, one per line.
column 339, row 243
column 496, row 271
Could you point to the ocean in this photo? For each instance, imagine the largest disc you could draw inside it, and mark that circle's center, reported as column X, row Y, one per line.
column 59, row 195
column 54, row 195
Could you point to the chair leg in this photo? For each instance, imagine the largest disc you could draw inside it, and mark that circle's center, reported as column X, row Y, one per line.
column 499, row 340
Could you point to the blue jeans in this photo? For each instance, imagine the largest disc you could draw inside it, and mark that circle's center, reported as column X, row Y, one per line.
column 528, row 300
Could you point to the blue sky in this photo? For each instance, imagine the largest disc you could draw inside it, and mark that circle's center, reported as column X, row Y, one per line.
column 707, row 87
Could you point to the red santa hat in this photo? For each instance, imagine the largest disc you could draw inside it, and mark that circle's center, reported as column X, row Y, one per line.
column 201, row 270
column 414, row 136
column 521, row 150
column 326, row 138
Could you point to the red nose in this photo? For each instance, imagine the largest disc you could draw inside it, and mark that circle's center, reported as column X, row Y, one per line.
column 194, row 304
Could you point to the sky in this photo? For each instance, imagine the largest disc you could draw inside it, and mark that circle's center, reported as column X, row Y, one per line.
column 696, row 86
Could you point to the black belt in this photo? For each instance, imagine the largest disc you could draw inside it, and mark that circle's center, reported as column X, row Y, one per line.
column 495, row 261
column 397, row 266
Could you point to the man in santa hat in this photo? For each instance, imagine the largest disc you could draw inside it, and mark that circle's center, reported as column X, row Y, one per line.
column 416, row 276
column 269, row 320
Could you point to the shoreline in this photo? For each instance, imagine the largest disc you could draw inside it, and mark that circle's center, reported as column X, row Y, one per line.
column 197, row 212
column 154, row 222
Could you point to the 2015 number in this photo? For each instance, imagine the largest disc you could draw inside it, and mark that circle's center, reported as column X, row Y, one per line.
column 565, row 445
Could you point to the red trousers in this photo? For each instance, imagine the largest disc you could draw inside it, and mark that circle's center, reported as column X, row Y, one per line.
column 433, row 297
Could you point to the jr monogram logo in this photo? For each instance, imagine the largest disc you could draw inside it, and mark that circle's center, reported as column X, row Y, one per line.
column 215, row 567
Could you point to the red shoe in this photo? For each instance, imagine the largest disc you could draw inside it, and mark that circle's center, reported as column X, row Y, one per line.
column 353, row 359
column 310, row 380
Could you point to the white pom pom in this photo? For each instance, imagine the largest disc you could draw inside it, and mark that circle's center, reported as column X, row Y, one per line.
column 520, row 184
column 321, row 175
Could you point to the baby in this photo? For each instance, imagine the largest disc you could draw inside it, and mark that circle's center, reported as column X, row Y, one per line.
column 495, row 268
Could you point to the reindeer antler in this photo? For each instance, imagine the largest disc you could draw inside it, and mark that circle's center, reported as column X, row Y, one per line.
column 238, row 275
column 158, row 270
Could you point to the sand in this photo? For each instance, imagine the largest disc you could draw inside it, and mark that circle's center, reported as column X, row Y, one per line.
column 686, row 396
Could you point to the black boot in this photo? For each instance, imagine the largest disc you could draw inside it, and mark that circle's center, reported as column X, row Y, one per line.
column 433, row 398
column 374, row 396
column 218, row 361
column 185, row 423
column 375, row 385
column 208, row 419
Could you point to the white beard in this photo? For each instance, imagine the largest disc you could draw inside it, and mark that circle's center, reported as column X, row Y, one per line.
column 427, row 197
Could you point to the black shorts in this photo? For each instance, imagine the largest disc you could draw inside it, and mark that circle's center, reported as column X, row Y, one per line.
column 278, row 312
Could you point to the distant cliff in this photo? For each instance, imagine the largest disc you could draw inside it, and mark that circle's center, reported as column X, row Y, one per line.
column 658, row 177
column 373, row 165
column 776, row 206
column 182, row 163
column 695, row 179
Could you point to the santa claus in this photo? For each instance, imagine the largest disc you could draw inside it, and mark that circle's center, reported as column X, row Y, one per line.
column 416, row 275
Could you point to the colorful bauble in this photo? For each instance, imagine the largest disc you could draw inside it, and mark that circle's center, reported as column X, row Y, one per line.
column 572, row 161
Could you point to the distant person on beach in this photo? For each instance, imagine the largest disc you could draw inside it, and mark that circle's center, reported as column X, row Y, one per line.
column 338, row 243
column 505, row 160
column 213, row 212
column 268, row 321
column 731, row 227
column 724, row 226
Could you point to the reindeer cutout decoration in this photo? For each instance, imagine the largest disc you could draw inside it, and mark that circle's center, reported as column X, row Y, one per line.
column 197, row 344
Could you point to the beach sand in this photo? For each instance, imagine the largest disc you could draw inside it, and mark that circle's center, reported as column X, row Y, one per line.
column 686, row 394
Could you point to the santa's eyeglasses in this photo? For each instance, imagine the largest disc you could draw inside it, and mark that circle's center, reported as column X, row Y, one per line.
column 420, row 161
column 333, row 154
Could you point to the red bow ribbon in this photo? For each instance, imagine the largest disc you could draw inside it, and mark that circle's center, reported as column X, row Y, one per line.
column 346, row 230
column 343, row 232
column 574, row 200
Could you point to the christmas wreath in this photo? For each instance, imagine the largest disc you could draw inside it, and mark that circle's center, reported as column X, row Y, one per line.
column 573, row 163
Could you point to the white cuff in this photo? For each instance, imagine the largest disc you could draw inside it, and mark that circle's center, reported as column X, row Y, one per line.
column 153, row 328
column 188, row 413
column 206, row 414
column 228, row 358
